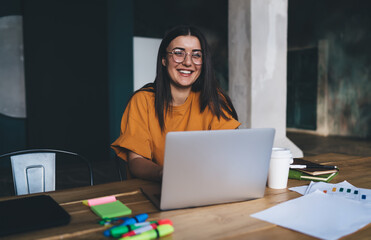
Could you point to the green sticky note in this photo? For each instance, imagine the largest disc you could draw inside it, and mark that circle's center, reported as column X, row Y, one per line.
column 112, row 209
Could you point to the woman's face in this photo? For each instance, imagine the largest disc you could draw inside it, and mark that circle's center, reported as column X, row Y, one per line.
column 183, row 74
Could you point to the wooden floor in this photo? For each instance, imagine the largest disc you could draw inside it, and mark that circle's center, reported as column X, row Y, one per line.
column 313, row 145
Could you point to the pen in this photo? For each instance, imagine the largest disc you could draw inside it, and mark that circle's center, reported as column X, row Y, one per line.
column 301, row 166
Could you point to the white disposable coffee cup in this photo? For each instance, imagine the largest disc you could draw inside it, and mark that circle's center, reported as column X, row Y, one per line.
column 279, row 168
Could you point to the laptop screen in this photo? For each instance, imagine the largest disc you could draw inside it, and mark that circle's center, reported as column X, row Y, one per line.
column 211, row 167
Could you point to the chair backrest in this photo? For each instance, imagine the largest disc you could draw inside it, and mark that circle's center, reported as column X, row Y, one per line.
column 35, row 170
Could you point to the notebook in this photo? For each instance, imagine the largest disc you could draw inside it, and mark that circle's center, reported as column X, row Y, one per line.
column 212, row 167
column 31, row 213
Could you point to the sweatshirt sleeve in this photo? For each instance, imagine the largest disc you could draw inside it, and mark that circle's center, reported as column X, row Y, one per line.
column 134, row 134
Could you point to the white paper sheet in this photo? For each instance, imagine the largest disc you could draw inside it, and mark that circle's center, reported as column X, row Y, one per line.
column 300, row 189
column 320, row 215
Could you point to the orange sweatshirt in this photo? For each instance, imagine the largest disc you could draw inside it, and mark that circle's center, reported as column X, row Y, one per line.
column 141, row 132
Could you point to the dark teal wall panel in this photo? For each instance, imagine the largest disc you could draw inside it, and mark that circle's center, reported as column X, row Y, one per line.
column 302, row 88
column 120, row 60
column 12, row 134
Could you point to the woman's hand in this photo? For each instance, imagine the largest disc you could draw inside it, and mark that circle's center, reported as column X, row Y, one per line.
column 144, row 168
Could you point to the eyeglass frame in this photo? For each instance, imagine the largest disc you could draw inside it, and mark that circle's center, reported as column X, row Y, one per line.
column 185, row 56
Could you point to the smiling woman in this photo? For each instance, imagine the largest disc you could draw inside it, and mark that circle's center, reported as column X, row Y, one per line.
column 185, row 96
column 181, row 66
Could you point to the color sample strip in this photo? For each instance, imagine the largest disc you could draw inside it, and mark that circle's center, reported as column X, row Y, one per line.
column 355, row 191
column 334, row 189
column 325, row 191
column 363, row 197
column 341, row 189
column 349, row 190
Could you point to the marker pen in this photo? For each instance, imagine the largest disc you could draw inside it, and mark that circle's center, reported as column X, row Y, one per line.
column 151, row 226
column 106, row 221
column 117, row 231
column 160, row 231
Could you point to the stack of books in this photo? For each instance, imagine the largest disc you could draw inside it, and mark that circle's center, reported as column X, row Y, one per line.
column 305, row 170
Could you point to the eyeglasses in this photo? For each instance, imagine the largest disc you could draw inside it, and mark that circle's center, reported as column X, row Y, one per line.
column 179, row 55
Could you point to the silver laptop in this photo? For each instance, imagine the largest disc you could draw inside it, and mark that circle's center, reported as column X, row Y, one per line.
column 212, row 167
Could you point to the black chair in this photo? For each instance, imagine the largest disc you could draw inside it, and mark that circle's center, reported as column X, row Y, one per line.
column 35, row 170
column 122, row 168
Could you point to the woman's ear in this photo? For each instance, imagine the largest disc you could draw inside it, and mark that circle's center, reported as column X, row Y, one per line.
column 164, row 62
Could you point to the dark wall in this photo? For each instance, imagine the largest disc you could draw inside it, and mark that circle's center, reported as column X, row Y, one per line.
column 79, row 77
column 10, row 7
column 65, row 44
column 12, row 130
column 345, row 26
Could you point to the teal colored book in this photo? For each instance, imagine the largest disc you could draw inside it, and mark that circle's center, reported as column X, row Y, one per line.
column 295, row 174
column 111, row 210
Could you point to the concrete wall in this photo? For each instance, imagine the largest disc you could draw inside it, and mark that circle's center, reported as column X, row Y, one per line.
column 257, row 65
column 341, row 30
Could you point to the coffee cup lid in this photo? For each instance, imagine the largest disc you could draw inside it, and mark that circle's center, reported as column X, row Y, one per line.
column 281, row 152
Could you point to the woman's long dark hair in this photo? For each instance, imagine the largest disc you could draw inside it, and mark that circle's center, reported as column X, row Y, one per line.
column 211, row 94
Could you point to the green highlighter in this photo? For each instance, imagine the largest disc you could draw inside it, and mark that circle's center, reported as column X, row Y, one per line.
column 160, row 231
column 111, row 210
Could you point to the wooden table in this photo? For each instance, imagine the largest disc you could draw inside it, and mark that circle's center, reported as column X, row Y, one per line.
column 224, row 221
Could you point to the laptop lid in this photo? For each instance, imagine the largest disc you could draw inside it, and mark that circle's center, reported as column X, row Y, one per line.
column 212, row 167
